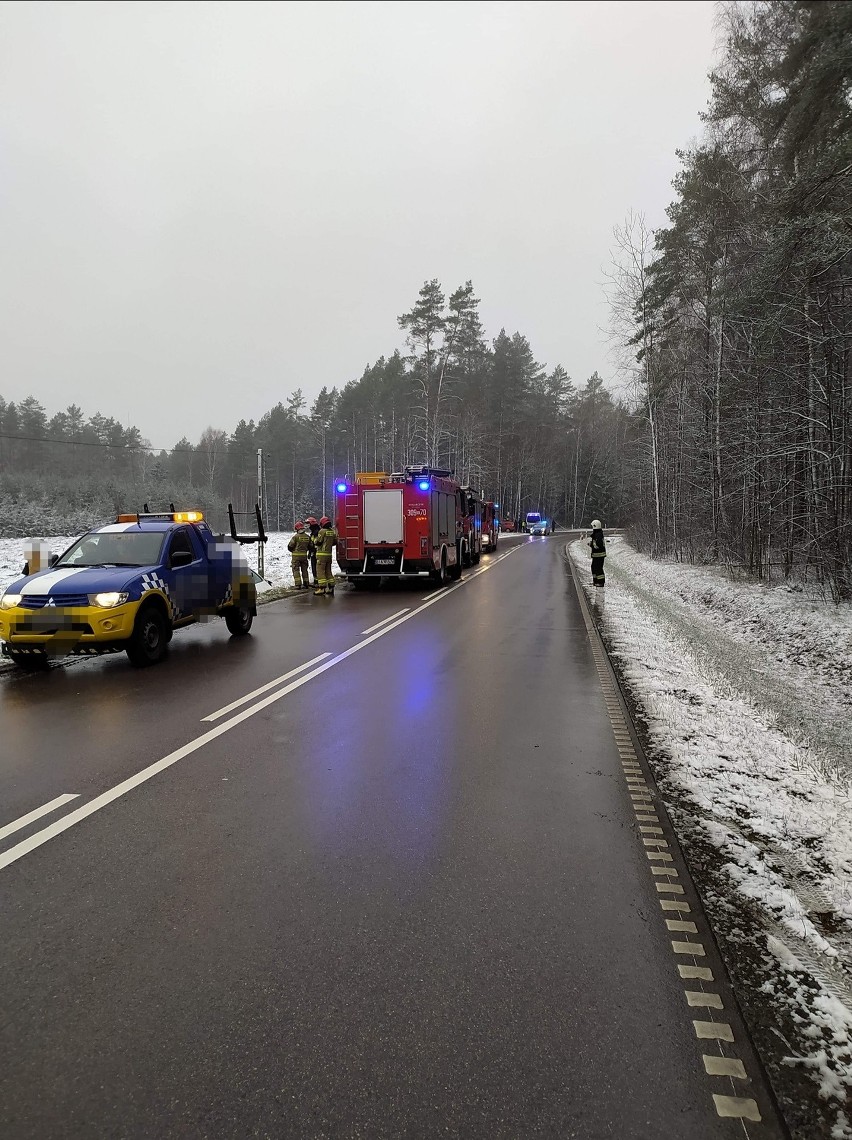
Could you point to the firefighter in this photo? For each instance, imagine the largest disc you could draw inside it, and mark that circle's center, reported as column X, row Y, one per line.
column 314, row 531
column 300, row 546
column 325, row 542
column 598, row 548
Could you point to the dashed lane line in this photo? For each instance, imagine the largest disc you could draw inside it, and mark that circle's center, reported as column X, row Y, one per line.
column 265, row 688
column 384, row 621
column 32, row 816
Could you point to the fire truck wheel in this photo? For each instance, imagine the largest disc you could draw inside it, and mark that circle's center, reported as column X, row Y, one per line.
column 475, row 559
column 440, row 576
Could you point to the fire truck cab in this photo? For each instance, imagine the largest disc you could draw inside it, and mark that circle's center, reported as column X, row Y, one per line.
column 415, row 523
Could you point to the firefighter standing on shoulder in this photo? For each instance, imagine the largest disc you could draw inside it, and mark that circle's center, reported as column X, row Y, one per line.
column 300, row 546
column 325, row 542
column 598, row 548
column 314, row 527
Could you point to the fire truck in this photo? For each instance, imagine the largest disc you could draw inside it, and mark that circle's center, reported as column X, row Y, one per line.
column 416, row 523
column 490, row 526
column 470, row 545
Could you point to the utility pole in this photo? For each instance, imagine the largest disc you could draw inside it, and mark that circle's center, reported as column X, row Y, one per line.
column 260, row 506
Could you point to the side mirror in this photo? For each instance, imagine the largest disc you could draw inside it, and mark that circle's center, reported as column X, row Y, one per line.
column 181, row 558
column 54, row 558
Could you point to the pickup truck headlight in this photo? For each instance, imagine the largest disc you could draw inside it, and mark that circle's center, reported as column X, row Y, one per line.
column 9, row 601
column 107, row 601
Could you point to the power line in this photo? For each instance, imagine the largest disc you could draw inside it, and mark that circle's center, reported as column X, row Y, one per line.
column 97, row 443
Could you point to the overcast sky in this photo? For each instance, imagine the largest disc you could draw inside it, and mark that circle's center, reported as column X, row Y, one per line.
column 207, row 205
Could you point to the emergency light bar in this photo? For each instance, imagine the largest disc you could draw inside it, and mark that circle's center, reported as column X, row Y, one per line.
column 162, row 516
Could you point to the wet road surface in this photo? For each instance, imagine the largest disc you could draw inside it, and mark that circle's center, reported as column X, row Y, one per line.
column 408, row 897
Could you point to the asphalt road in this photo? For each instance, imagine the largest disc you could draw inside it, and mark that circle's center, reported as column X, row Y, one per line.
column 408, row 897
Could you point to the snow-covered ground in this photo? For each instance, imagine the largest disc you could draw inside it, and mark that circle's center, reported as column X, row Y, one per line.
column 276, row 569
column 745, row 694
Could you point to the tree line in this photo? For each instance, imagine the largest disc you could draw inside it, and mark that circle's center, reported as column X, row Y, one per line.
column 736, row 317
column 518, row 431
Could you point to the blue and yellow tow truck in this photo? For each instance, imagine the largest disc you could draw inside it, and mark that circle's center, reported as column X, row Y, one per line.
column 127, row 586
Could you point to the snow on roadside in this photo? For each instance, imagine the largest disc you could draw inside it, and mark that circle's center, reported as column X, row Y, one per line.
column 745, row 696
column 13, row 554
column 277, row 558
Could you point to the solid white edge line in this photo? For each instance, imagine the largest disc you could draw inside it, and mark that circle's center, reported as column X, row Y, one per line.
column 263, row 688
column 384, row 621
column 106, row 798
column 32, row 816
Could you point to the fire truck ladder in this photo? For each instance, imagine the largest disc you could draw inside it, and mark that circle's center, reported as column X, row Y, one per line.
column 352, row 531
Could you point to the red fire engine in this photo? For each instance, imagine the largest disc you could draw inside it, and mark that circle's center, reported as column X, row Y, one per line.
column 418, row 522
column 490, row 526
column 470, row 508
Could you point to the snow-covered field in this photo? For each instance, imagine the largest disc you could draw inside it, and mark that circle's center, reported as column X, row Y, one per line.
column 746, row 697
column 276, row 570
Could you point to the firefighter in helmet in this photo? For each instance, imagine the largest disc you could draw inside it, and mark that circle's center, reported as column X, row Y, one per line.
column 598, row 548
column 325, row 542
column 300, row 547
column 314, row 527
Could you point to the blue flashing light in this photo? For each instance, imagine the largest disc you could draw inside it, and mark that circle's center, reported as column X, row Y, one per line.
column 423, row 484
column 341, row 487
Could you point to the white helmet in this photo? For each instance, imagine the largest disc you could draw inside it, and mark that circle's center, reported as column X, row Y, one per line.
column 596, row 524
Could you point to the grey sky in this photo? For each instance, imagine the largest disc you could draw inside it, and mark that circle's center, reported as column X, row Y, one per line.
column 205, row 206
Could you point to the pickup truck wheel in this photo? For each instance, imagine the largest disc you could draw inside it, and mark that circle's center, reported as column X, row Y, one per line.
column 238, row 619
column 149, row 641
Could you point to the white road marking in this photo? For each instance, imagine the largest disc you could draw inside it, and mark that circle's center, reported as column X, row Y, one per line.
column 102, row 801
column 696, row 949
column 32, row 816
column 384, row 621
column 713, row 1031
column 739, row 1107
column 264, row 688
column 701, row 973
column 724, row 1066
column 700, row 998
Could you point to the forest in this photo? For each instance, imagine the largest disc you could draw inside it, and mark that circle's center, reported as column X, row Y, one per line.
column 522, row 434
column 730, row 326
column 738, row 313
